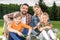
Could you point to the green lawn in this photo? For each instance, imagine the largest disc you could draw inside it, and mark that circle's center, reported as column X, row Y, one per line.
column 56, row 24
column 1, row 26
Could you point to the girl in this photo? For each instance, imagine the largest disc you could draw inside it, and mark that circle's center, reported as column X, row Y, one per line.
column 45, row 27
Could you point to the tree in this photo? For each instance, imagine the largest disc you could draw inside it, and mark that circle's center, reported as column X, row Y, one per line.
column 30, row 10
column 54, row 12
column 43, row 6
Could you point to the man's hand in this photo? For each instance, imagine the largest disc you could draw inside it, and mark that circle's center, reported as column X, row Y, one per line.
column 28, row 37
column 5, row 35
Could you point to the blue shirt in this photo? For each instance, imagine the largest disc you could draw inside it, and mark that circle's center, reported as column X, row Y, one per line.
column 34, row 21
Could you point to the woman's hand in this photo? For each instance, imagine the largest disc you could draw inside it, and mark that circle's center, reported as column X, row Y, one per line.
column 34, row 28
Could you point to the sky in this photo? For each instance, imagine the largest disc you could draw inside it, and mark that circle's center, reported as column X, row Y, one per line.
column 30, row 2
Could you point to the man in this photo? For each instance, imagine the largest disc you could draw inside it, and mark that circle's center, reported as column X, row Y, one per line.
column 26, row 18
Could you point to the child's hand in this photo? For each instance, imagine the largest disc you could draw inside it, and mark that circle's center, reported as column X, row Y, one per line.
column 41, row 29
column 48, row 27
column 20, row 34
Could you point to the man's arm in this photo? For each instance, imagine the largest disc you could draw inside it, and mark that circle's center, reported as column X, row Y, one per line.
column 8, row 16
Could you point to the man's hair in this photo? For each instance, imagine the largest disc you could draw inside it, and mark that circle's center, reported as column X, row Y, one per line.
column 17, row 15
column 25, row 4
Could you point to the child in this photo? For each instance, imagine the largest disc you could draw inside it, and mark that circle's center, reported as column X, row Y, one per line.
column 15, row 28
column 45, row 27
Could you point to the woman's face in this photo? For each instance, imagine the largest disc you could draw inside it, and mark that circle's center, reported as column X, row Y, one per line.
column 24, row 9
column 37, row 10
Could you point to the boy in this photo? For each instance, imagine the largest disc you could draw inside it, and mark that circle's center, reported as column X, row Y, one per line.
column 15, row 28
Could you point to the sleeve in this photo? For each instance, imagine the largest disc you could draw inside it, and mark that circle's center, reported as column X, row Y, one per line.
column 10, row 15
column 32, row 22
column 25, row 26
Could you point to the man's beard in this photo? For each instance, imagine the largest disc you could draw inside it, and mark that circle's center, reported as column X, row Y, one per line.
column 24, row 13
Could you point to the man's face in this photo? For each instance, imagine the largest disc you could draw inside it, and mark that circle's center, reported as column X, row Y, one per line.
column 24, row 9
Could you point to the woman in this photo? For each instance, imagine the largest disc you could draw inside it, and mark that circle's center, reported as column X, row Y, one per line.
column 36, row 18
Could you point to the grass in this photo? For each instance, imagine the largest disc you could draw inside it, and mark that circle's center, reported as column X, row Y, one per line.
column 56, row 24
column 1, row 27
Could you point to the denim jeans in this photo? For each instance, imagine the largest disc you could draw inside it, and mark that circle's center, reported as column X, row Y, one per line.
column 14, row 36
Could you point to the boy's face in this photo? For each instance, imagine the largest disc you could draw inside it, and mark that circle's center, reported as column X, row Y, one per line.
column 17, row 20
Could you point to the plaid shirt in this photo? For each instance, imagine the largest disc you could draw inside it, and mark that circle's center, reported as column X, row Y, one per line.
column 28, row 16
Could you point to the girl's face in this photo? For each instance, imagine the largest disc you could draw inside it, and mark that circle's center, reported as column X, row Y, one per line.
column 45, row 18
column 17, row 20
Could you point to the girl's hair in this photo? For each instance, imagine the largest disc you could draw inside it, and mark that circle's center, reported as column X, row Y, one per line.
column 40, row 24
column 45, row 13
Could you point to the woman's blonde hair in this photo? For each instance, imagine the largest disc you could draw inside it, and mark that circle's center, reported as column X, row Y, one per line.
column 37, row 6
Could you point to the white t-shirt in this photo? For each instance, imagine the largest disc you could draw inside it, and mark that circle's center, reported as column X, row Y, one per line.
column 23, row 20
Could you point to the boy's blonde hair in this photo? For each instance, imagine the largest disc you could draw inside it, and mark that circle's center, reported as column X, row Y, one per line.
column 17, row 15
